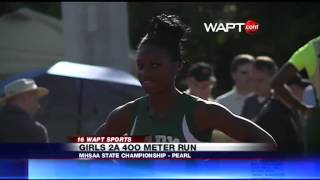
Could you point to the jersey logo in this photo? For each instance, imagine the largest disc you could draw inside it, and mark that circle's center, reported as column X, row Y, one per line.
column 161, row 138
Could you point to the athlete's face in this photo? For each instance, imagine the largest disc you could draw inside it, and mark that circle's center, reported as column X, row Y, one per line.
column 156, row 70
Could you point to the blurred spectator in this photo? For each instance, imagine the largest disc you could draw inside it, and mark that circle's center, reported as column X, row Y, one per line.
column 21, row 102
column 264, row 68
column 241, row 68
column 201, row 80
column 283, row 123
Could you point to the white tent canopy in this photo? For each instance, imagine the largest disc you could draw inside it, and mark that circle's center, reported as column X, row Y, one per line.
column 90, row 72
column 29, row 40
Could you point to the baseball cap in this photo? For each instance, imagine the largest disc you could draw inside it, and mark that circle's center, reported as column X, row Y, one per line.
column 202, row 72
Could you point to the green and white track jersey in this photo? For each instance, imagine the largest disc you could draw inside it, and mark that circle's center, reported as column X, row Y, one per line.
column 177, row 126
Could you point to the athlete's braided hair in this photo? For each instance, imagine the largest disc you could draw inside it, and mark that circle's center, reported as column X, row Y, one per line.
column 167, row 32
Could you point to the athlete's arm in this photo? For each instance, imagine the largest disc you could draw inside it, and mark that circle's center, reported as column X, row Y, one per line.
column 215, row 116
column 117, row 123
column 287, row 72
column 303, row 58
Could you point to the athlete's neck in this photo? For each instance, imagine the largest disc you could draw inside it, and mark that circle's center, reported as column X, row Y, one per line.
column 163, row 103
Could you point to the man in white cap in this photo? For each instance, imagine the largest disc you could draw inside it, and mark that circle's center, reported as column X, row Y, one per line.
column 21, row 102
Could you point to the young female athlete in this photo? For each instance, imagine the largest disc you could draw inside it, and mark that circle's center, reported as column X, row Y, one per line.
column 165, row 114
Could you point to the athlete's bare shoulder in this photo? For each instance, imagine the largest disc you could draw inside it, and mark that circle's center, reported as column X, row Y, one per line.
column 119, row 120
column 205, row 113
column 203, row 106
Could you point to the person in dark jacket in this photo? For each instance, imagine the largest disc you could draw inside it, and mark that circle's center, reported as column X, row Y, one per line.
column 21, row 102
column 283, row 123
column 264, row 68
